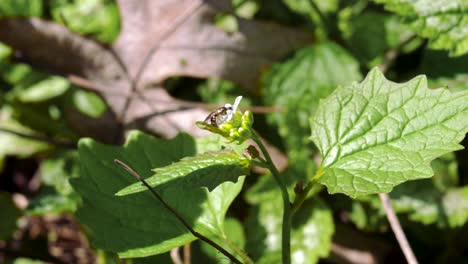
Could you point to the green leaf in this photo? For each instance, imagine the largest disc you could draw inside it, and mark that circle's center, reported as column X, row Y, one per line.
column 266, row 187
column 58, row 169
column 52, row 204
column 88, row 103
column 27, row 261
column 205, row 170
column 5, row 52
column 367, row 218
column 10, row 213
column 445, row 171
column 217, row 91
column 25, row 8
column 138, row 225
column 455, row 206
column 304, row 6
column 312, row 228
column 235, row 233
column 425, row 203
column 99, row 18
column 297, row 85
column 437, row 63
column 57, row 195
column 378, row 134
column 420, row 201
column 46, row 89
column 445, row 71
column 45, row 116
column 370, row 34
column 308, row 9
column 162, row 258
column 20, row 74
column 444, row 22
column 215, row 142
column 14, row 145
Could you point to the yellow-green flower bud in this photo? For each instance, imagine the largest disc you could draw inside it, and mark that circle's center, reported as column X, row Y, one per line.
column 229, row 123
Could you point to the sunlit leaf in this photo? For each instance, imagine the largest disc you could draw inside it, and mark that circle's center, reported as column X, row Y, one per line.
column 99, row 18
column 10, row 8
column 88, row 103
column 312, row 228
column 369, row 35
column 444, row 22
column 378, row 134
column 15, row 145
column 44, row 90
column 205, row 170
column 295, row 88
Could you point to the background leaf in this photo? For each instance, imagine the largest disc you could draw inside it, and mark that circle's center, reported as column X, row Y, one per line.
column 10, row 213
column 57, row 195
column 13, row 145
column 10, row 8
column 27, row 261
column 44, row 90
column 312, row 228
column 378, row 134
column 297, row 85
column 88, row 103
column 444, row 71
column 444, row 22
column 99, row 18
column 369, row 35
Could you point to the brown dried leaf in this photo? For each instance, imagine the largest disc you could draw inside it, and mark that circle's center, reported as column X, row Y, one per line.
column 159, row 39
column 185, row 41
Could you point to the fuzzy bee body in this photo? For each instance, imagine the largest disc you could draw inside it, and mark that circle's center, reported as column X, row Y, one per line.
column 223, row 114
column 218, row 117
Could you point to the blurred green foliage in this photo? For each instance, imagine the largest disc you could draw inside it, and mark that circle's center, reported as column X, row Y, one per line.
column 351, row 37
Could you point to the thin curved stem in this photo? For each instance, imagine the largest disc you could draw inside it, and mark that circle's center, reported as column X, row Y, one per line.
column 397, row 230
column 175, row 256
column 287, row 217
column 188, row 253
column 176, row 214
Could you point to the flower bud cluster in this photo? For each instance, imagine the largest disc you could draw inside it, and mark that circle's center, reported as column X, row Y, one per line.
column 237, row 127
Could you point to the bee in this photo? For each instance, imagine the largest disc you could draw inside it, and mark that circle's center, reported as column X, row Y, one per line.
column 223, row 114
column 219, row 116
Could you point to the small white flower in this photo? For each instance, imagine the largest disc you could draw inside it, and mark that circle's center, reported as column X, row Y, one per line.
column 231, row 109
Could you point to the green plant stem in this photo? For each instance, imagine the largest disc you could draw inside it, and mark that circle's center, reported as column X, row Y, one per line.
column 322, row 21
column 287, row 217
column 302, row 195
